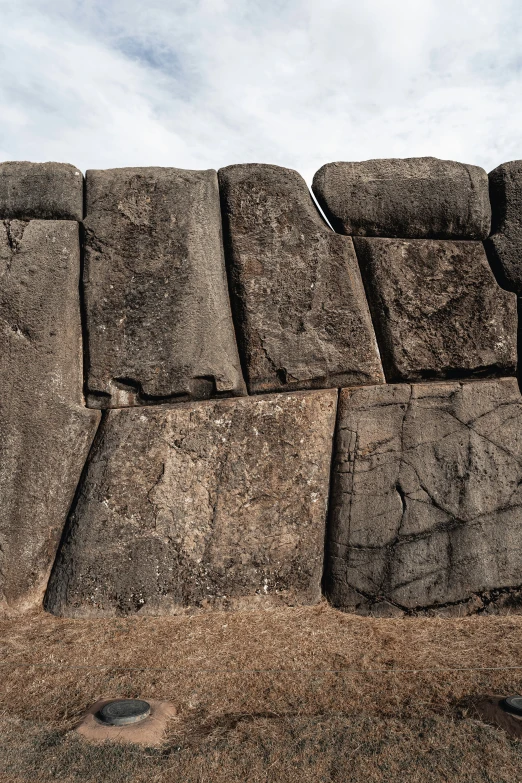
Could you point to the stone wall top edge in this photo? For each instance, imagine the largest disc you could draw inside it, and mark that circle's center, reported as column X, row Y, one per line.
column 451, row 199
column 39, row 163
column 398, row 160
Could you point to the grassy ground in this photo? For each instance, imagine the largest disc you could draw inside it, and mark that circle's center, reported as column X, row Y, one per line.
column 285, row 696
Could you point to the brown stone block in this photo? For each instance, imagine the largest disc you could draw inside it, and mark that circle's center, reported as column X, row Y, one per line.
column 415, row 198
column 42, row 191
column 427, row 497
column 437, row 308
column 211, row 505
column 299, row 304
column 46, row 431
column 504, row 246
column 157, row 308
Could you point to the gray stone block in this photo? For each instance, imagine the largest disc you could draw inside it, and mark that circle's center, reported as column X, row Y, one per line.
column 427, row 498
column 437, row 308
column 414, row 198
column 301, row 314
column 198, row 506
column 158, row 313
column 43, row 191
column 46, row 431
column 504, row 246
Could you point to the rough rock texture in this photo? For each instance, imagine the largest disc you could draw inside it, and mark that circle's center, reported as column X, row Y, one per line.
column 410, row 197
column 213, row 505
column 45, row 191
column 158, row 313
column 427, row 497
column 301, row 314
column 437, row 309
column 46, row 433
column 504, row 247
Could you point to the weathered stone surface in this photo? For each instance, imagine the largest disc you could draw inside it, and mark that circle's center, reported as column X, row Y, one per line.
column 301, row 314
column 427, row 497
column 504, row 246
column 437, row 309
column 45, row 431
column 45, row 191
column 158, row 313
column 411, row 197
column 212, row 505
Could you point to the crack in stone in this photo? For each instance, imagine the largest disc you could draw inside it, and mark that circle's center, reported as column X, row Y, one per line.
column 468, row 456
column 14, row 237
column 487, row 597
column 386, row 578
column 151, row 490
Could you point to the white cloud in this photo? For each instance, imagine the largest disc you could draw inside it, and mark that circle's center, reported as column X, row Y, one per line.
column 299, row 83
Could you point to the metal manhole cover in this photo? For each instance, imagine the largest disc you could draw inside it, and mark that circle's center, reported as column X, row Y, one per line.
column 124, row 711
column 512, row 704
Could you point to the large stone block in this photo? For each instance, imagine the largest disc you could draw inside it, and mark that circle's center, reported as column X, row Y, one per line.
column 210, row 505
column 301, row 313
column 414, row 198
column 158, row 313
column 45, row 431
column 427, row 498
column 45, row 191
column 504, row 246
column 437, row 309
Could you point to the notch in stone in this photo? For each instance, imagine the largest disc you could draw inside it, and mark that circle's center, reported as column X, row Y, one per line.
column 157, row 310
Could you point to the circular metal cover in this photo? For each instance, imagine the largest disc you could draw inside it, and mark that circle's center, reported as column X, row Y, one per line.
column 124, row 711
column 513, row 704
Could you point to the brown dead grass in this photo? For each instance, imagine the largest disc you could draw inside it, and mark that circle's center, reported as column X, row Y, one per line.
column 288, row 695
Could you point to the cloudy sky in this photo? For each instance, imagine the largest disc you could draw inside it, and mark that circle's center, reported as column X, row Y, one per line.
column 205, row 83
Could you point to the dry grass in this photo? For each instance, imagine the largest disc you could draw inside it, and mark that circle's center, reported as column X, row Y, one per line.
column 286, row 695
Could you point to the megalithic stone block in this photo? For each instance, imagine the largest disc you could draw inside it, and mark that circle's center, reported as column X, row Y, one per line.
column 157, row 308
column 211, row 505
column 504, row 246
column 437, row 308
column 427, row 498
column 43, row 191
column 414, row 198
column 301, row 313
column 45, row 431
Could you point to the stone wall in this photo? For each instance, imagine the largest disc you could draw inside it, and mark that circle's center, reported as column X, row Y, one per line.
column 209, row 400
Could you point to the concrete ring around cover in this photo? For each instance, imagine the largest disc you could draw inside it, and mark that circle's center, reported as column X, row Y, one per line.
column 148, row 732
